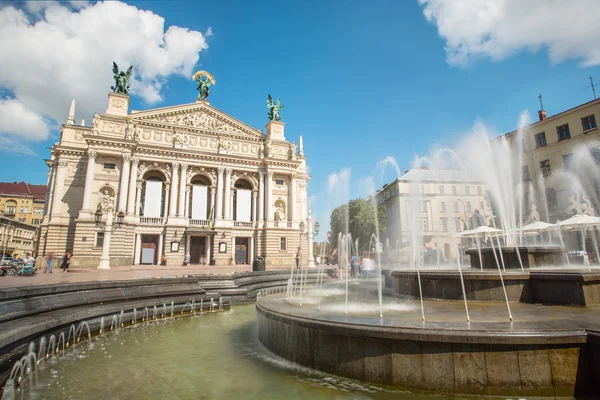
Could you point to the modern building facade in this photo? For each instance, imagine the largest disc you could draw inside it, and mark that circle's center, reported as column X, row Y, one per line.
column 17, row 238
column 441, row 203
column 560, row 158
column 23, row 202
column 183, row 184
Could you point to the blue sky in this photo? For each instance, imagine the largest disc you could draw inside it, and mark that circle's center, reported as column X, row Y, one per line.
column 359, row 80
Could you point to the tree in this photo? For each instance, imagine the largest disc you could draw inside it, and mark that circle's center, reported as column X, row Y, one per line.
column 359, row 218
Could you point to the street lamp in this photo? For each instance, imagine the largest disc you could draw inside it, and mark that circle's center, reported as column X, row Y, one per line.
column 107, row 204
column 102, row 225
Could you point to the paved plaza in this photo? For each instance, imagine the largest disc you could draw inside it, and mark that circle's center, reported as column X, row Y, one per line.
column 123, row 273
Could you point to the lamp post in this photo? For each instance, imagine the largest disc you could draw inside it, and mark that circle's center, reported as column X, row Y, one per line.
column 108, row 206
column 6, row 234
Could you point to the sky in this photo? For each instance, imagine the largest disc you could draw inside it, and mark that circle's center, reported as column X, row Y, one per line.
column 360, row 80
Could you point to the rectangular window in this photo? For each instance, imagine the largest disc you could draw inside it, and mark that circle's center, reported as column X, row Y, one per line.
column 26, row 210
column 444, row 225
column 279, row 181
column 468, row 206
column 441, row 188
column 11, row 210
column 478, row 189
column 567, row 161
column 283, row 244
column 596, row 154
column 425, row 225
column 443, row 206
column 526, row 176
column 21, row 210
column 109, row 166
column 21, row 219
column 545, row 168
column 36, row 221
column 467, row 189
column 457, row 224
column 422, row 189
column 453, row 189
column 99, row 239
column 563, row 132
column 455, row 206
column 540, row 140
column 588, row 122
column 481, row 206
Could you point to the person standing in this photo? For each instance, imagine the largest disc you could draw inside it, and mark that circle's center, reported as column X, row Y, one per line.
column 29, row 260
column 49, row 263
column 297, row 256
column 66, row 260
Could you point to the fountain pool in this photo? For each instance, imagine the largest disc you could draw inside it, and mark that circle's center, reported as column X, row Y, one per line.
column 214, row 356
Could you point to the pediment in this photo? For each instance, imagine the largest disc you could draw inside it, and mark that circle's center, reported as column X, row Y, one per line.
column 199, row 116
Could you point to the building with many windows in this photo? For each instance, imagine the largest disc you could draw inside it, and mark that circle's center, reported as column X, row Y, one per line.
column 560, row 158
column 22, row 202
column 441, row 203
column 17, row 238
column 185, row 183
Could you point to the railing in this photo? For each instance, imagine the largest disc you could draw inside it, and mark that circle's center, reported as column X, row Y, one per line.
column 240, row 224
column 198, row 222
column 152, row 220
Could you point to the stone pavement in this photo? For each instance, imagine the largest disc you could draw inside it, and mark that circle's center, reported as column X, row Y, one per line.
column 123, row 273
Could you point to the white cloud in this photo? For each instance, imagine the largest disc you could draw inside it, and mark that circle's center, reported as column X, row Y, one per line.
column 16, row 120
column 52, row 53
column 499, row 28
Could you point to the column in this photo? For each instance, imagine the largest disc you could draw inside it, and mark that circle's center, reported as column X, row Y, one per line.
column 138, row 249
column 104, row 263
column 160, row 248
column 58, row 187
column 173, row 199
column 219, row 193
column 227, row 193
column 187, row 202
column 231, row 212
column 166, row 201
column 292, row 200
column 89, row 182
column 261, row 196
column 251, row 258
column 138, row 198
column 212, row 201
column 311, row 258
column 188, row 242
column 253, row 217
column 208, row 249
column 132, row 185
column 124, row 182
column 269, row 190
column 182, row 179
column 50, row 188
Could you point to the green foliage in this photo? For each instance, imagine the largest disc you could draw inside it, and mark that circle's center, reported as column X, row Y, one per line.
column 359, row 218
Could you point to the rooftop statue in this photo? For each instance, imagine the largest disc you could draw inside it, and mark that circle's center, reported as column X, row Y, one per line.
column 274, row 108
column 205, row 80
column 121, row 79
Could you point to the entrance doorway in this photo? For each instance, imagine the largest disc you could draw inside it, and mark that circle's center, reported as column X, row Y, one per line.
column 149, row 249
column 241, row 250
column 198, row 250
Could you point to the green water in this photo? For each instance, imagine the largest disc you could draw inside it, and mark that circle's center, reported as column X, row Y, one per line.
column 214, row 356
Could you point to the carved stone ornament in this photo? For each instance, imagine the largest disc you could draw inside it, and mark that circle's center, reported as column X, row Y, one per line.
column 107, row 203
column 200, row 119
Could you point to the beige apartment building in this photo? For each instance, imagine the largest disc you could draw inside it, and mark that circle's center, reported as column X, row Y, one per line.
column 560, row 158
column 17, row 238
column 184, row 184
column 22, row 202
column 441, row 203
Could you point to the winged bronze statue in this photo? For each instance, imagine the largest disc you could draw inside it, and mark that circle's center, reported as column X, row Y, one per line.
column 121, row 79
column 274, row 108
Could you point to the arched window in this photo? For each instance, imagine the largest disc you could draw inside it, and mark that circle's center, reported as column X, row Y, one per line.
column 242, row 201
column 198, row 207
column 153, row 195
column 551, row 199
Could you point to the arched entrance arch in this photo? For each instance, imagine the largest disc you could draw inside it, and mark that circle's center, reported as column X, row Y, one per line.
column 152, row 203
column 199, row 206
column 242, row 200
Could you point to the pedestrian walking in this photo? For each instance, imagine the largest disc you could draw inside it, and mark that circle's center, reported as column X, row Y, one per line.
column 49, row 263
column 297, row 256
column 66, row 260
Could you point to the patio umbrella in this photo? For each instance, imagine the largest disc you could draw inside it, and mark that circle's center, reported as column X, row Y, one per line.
column 538, row 226
column 581, row 221
column 481, row 230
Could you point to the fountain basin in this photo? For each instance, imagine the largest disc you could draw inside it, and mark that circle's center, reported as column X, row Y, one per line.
column 563, row 287
column 531, row 256
column 544, row 352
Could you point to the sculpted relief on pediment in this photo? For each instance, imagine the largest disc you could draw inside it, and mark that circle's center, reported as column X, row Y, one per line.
column 200, row 119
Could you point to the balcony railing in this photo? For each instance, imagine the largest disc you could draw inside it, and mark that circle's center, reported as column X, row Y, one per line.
column 198, row 222
column 152, row 220
column 241, row 224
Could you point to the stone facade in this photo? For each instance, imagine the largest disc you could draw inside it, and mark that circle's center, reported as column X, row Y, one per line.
column 175, row 175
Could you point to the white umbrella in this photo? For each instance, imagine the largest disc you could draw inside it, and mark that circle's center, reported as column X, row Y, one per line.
column 481, row 230
column 537, row 226
column 579, row 221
